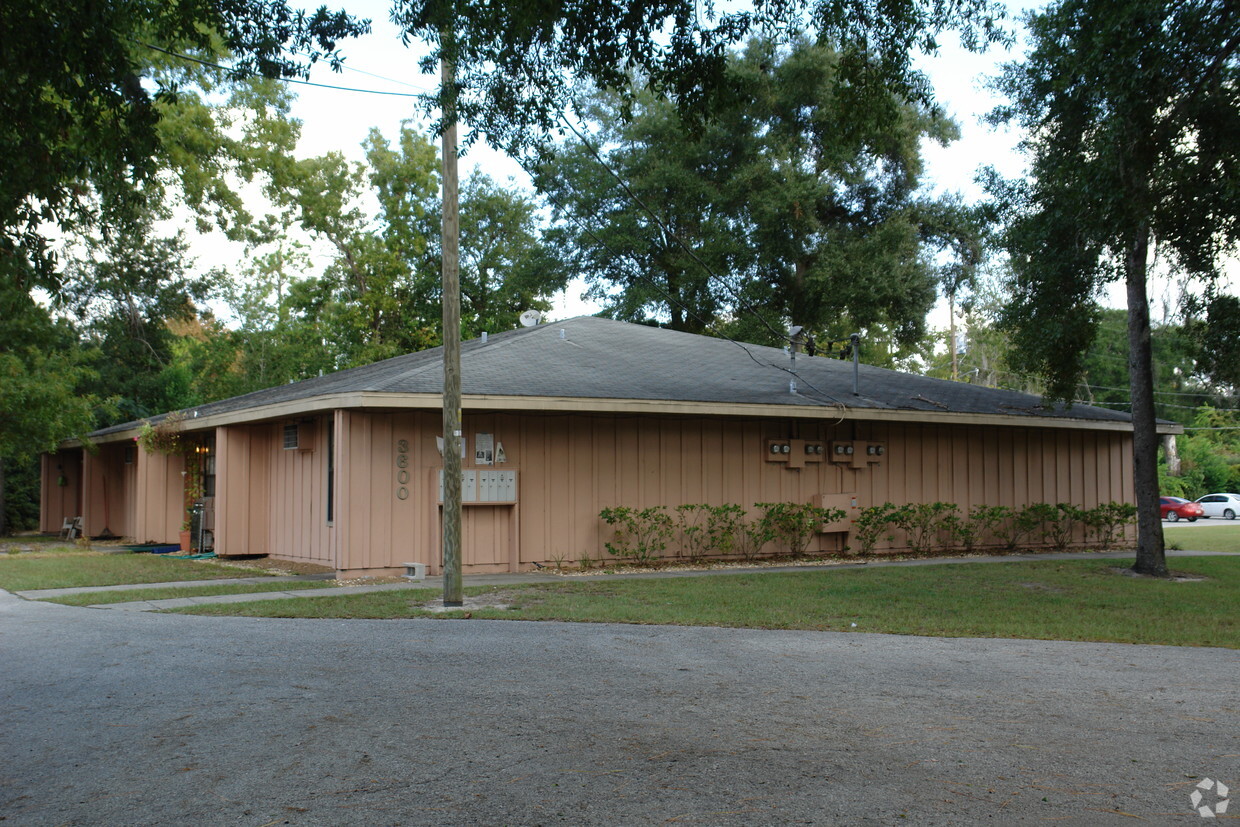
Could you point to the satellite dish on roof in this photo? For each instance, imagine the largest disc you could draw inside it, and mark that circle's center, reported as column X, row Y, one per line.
column 530, row 318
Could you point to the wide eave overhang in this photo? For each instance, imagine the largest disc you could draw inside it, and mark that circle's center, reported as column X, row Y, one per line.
column 386, row 401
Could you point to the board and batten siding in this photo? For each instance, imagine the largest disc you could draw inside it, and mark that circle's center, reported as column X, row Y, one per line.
column 571, row 466
column 272, row 500
column 160, row 507
column 58, row 502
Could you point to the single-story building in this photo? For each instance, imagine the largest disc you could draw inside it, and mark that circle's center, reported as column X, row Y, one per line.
column 562, row 420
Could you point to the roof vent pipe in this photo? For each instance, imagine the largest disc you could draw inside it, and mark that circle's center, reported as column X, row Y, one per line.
column 484, row 337
column 855, row 339
column 563, row 335
column 794, row 344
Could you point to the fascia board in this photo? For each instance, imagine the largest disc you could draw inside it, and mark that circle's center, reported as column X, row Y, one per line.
column 369, row 400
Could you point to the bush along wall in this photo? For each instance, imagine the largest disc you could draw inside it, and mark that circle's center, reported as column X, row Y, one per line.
column 928, row 528
column 696, row 531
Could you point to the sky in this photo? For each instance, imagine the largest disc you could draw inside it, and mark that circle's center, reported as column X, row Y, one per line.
column 339, row 120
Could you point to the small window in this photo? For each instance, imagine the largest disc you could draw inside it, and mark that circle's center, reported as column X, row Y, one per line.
column 290, row 437
column 131, row 453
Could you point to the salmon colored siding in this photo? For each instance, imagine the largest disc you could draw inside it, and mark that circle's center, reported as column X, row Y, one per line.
column 160, row 509
column 272, row 500
column 569, row 467
column 60, row 502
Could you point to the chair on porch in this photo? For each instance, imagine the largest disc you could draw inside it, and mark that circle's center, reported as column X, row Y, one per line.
column 71, row 528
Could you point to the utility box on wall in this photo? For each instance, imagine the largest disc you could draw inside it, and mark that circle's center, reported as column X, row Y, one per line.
column 795, row 452
column 846, row 502
column 841, row 452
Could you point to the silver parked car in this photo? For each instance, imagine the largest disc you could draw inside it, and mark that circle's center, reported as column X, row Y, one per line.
column 1226, row 506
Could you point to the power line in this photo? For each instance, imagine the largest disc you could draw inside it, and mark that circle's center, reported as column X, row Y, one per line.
column 421, row 89
column 1160, row 393
column 236, row 73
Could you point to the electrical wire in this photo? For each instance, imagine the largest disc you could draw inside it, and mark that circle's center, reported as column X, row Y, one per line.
column 240, row 75
column 1160, row 393
column 244, row 76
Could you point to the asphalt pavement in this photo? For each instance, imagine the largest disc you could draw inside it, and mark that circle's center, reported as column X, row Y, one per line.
column 131, row 718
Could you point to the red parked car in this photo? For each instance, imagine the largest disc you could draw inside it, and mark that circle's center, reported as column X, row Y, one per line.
column 1173, row 508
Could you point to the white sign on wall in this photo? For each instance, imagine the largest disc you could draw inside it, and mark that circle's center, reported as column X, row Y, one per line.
column 484, row 449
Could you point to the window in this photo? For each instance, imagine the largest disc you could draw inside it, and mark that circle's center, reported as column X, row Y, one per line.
column 290, row 437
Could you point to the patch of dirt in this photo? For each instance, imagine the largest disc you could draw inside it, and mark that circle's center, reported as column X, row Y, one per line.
column 367, row 581
column 277, row 567
column 498, row 599
column 1175, row 576
column 1041, row 587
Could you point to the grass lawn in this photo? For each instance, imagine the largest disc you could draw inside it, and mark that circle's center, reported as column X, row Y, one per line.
column 96, row 598
column 66, row 566
column 1210, row 537
column 1052, row 600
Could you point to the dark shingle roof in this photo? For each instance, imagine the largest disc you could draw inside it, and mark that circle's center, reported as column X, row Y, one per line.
column 593, row 358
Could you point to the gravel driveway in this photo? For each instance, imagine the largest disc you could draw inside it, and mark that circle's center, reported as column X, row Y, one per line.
column 123, row 718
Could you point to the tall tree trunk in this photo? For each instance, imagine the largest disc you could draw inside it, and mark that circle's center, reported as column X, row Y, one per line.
column 1151, row 557
column 951, row 310
column 3, row 523
column 1173, row 455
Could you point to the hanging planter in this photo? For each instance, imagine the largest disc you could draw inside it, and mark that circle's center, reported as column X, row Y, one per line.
column 163, row 437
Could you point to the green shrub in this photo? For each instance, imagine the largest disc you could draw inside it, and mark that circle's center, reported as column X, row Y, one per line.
column 691, row 521
column 795, row 524
column 1059, row 524
column 725, row 529
column 872, row 523
column 1105, row 523
column 640, row 536
column 1022, row 524
column 988, row 521
column 922, row 522
column 960, row 532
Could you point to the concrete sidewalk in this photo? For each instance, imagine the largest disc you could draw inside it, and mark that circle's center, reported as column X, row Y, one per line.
column 524, row 578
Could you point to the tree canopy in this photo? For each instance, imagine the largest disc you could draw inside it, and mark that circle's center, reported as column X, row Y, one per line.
column 519, row 66
column 80, row 114
column 790, row 206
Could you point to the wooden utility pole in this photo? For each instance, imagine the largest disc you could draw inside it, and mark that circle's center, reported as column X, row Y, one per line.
column 451, row 339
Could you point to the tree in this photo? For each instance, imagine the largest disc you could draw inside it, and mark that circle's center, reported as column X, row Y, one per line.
column 1132, row 109
column 1178, row 389
column 520, row 66
column 791, row 206
column 80, row 116
column 40, row 373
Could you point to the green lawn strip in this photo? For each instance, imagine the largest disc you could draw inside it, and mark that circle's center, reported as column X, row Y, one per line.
column 1223, row 537
column 1051, row 600
column 68, row 569
column 132, row 595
